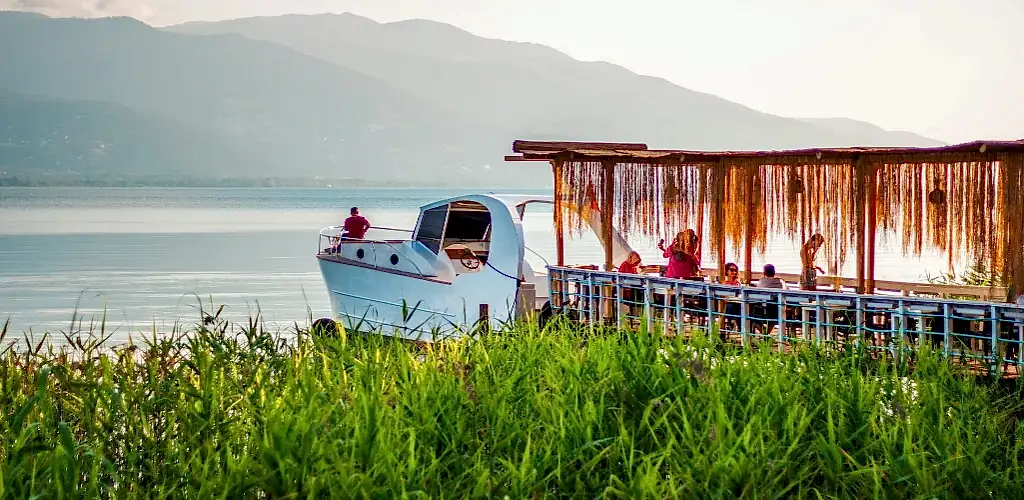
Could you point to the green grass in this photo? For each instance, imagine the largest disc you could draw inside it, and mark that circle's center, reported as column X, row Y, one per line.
column 522, row 413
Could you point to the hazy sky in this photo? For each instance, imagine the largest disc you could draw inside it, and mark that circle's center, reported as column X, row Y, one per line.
column 951, row 69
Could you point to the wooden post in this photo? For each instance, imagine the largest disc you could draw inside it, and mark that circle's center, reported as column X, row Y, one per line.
column 556, row 168
column 485, row 317
column 701, row 203
column 748, row 236
column 721, row 258
column 720, row 198
column 607, row 207
column 526, row 306
column 608, row 312
column 859, row 191
column 872, row 226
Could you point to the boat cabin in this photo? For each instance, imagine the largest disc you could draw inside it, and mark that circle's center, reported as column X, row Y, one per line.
column 458, row 230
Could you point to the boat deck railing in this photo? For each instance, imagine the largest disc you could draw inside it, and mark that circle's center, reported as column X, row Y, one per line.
column 986, row 332
column 373, row 252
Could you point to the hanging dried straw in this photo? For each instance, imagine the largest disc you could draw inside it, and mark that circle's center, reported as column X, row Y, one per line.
column 967, row 206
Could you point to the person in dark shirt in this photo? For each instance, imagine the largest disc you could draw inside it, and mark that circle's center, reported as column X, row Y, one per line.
column 356, row 225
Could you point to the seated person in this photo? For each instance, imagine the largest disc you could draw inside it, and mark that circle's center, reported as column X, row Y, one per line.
column 732, row 309
column 769, row 280
column 632, row 264
column 769, row 311
column 732, row 274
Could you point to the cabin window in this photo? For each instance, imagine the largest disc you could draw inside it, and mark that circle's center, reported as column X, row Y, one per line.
column 467, row 226
column 467, row 236
column 431, row 228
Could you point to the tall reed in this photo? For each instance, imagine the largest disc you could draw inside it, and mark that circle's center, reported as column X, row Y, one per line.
column 241, row 412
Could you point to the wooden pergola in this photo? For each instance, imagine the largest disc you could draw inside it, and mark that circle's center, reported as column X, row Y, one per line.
column 965, row 200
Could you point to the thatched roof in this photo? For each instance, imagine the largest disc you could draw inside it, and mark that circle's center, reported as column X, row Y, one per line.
column 640, row 153
column 966, row 200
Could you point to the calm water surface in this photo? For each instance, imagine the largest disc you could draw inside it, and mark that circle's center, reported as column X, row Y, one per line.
column 146, row 258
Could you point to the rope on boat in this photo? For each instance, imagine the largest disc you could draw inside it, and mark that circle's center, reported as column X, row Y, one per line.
column 501, row 273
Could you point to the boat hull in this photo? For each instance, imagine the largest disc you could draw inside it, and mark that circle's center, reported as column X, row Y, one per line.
column 370, row 299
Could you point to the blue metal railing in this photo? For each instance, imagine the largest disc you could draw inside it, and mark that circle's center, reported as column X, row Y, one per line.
column 980, row 331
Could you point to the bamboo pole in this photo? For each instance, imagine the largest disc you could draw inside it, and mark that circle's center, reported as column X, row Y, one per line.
column 872, row 225
column 859, row 211
column 1013, row 200
column 748, row 236
column 721, row 175
column 701, row 202
column 607, row 206
column 556, row 168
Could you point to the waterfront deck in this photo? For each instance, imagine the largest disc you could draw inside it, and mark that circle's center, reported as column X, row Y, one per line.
column 988, row 334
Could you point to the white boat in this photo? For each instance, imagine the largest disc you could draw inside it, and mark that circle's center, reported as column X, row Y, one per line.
column 463, row 267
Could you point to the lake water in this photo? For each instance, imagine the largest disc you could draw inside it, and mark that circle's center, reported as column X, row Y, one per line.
column 146, row 257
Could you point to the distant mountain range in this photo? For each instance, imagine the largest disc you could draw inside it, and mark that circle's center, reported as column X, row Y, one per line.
column 339, row 97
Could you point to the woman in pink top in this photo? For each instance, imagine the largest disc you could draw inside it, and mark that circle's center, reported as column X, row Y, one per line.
column 683, row 255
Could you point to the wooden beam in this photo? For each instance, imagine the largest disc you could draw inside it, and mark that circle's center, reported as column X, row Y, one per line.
column 520, row 145
column 653, row 157
column 619, row 159
column 872, row 226
column 607, row 208
column 556, row 169
column 519, row 158
column 971, row 151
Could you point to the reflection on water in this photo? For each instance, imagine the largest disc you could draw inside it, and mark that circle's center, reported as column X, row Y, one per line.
column 148, row 257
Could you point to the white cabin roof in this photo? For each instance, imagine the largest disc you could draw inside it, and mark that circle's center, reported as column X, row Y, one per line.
column 494, row 201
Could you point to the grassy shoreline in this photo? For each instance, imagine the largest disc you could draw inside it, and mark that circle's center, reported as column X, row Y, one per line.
column 225, row 411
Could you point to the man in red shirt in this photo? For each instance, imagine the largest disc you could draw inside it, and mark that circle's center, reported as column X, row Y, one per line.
column 356, row 225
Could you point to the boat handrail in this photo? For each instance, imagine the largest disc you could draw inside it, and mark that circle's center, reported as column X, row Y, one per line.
column 363, row 240
column 395, row 229
column 546, row 263
column 325, row 233
column 333, row 239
